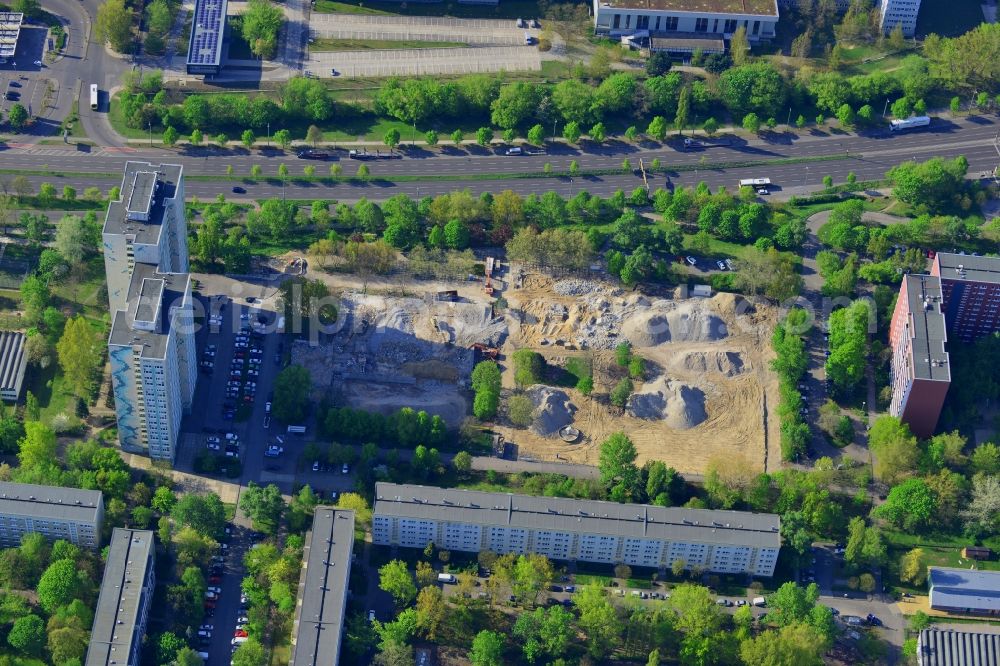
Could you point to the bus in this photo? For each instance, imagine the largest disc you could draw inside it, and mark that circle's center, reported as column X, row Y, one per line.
column 93, row 97
column 759, row 185
column 909, row 123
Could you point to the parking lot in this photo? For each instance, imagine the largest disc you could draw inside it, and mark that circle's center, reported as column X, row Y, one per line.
column 415, row 62
column 408, row 28
column 23, row 78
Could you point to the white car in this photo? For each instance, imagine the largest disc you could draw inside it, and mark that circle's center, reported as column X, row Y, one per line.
column 213, row 588
column 344, row 469
column 213, row 446
column 721, row 264
column 204, row 633
column 232, row 437
column 371, row 616
column 691, row 260
column 207, row 627
column 267, row 408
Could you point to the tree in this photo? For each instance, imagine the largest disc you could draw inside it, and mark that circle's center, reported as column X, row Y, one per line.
column 484, row 136
column 283, row 138
column 170, row 137
column 59, row 585
column 395, row 579
column 621, row 392
column 657, row 128
column 249, row 653
column 895, row 448
column 78, row 350
column 27, row 635
column 982, row 515
column 931, row 183
column 756, row 87
column 357, row 504
column 739, row 47
column 391, row 138
column 598, row 620
column 793, row 645
column 114, row 25
column 263, row 504
column 572, row 132
column 487, row 649
column 515, row 103
column 291, row 394
column 617, row 465
column 710, row 126
column 751, row 123
column 363, row 171
column 203, row 513
column 913, row 567
column 544, row 632
column 167, row 647
column 261, row 21
column 456, row 235
column 658, row 64
column 75, row 240
column 864, row 544
column 248, row 138
column 683, row 116
column 597, row 133
column 314, row 135
column 457, row 136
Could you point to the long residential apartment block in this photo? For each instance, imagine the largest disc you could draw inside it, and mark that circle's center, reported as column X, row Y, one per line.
column 151, row 347
column 123, row 605
column 570, row 529
column 708, row 20
column 960, row 299
column 319, row 617
column 57, row 513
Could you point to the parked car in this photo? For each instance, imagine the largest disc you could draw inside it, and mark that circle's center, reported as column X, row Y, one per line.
column 691, row 260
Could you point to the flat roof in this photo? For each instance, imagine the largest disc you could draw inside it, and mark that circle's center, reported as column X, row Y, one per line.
column 748, row 7
column 642, row 521
column 125, row 332
column 140, row 197
column 31, row 500
column 150, row 297
column 968, row 268
column 688, row 42
column 12, row 360
column 949, row 647
column 928, row 330
column 118, row 609
column 10, row 30
column 205, row 47
column 323, row 589
column 964, row 588
column 163, row 181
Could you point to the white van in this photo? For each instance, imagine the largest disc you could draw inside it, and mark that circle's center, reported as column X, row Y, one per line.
column 759, row 601
column 446, row 578
column 203, row 655
column 240, row 640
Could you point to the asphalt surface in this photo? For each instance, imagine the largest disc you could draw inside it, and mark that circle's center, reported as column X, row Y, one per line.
column 869, row 157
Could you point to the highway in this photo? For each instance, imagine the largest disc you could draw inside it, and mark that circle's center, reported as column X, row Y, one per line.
column 423, row 172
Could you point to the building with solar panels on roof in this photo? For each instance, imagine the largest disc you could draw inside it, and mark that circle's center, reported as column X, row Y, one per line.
column 207, row 29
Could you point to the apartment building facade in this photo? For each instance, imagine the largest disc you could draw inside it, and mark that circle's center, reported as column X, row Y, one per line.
column 959, row 300
column 899, row 12
column 123, row 604
column 920, row 371
column 151, row 346
column 322, row 595
column 686, row 18
column 70, row 514
column 576, row 530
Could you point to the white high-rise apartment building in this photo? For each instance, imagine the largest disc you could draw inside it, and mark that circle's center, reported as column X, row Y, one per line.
column 899, row 12
column 151, row 347
column 570, row 529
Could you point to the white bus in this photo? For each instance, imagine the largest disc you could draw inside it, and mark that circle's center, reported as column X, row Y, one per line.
column 909, row 123
column 93, row 97
column 759, row 185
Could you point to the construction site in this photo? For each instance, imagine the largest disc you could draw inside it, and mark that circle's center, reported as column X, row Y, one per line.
column 705, row 391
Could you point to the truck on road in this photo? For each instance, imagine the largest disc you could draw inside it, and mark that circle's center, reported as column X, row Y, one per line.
column 909, row 123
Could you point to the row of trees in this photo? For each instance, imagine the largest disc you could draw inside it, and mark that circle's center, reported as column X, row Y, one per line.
column 790, row 364
column 689, row 626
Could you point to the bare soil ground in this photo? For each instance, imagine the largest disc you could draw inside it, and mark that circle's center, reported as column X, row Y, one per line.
column 716, row 350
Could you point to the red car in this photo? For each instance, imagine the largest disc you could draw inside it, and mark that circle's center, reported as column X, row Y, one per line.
column 239, row 633
column 215, row 579
column 209, row 604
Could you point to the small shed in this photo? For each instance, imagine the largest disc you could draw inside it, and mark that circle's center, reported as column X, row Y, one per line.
column 701, row 291
column 977, row 553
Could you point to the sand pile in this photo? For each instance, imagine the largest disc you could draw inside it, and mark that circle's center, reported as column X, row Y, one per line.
column 553, row 410
column 679, row 405
column 726, row 363
column 688, row 322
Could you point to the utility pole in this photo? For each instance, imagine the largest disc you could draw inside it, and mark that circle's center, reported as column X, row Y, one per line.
column 886, row 107
column 269, row 135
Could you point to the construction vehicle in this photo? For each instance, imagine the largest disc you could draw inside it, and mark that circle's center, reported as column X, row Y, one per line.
column 489, row 353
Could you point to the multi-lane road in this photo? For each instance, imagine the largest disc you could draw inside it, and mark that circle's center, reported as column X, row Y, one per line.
column 795, row 164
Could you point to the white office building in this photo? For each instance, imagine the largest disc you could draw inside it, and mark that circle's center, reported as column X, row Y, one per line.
column 568, row 529
column 151, row 347
column 685, row 20
column 899, row 12
column 70, row 514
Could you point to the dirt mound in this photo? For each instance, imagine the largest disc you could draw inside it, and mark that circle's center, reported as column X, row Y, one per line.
column 679, row 405
column 688, row 322
column 553, row 410
column 727, row 363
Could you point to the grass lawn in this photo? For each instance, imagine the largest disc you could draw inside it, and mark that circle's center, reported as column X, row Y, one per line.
column 720, row 248
column 592, row 579
column 54, row 395
column 948, row 17
column 329, row 44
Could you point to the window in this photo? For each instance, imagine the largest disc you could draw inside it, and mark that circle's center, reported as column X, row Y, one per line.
column 628, row 21
column 616, row 23
column 642, row 23
column 756, row 27
column 715, row 26
column 671, row 23
column 701, row 25
column 730, row 26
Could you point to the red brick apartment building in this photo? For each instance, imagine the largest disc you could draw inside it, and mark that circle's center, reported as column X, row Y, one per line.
column 961, row 296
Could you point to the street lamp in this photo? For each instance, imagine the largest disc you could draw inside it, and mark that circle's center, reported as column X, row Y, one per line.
column 269, row 135
column 150, row 126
